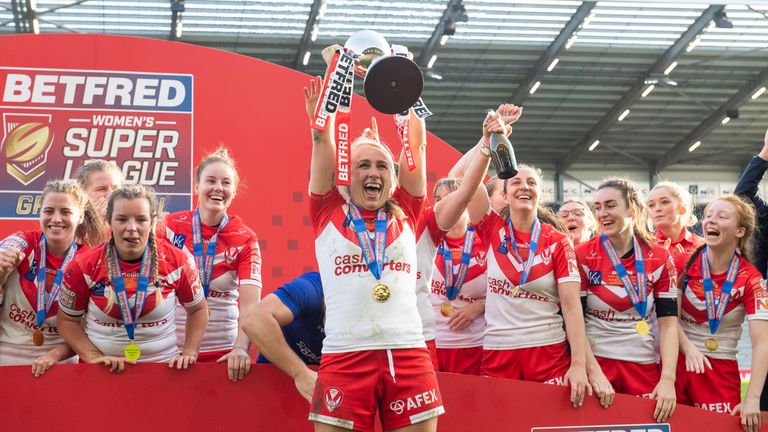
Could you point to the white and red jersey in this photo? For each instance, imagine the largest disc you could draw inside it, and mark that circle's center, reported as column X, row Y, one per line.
column 749, row 299
column 474, row 289
column 428, row 238
column 530, row 318
column 354, row 320
column 237, row 263
column 610, row 316
column 681, row 248
column 18, row 320
column 87, row 290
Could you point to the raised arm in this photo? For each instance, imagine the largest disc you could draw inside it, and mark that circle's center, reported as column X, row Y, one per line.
column 449, row 209
column 480, row 205
column 749, row 181
column 509, row 114
column 10, row 258
column 323, row 166
column 323, row 147
column 415, row 182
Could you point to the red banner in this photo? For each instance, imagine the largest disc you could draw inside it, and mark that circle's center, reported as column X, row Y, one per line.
column 153, row 397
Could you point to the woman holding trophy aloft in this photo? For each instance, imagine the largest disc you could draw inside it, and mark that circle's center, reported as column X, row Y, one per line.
column 374, row 353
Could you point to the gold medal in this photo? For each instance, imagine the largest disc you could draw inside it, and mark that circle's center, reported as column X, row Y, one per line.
column 642, row 328
column 381, row 292
column 132, row 352
column 515, row 291
column 711, row 344
column 37, row 337
column 447, row 309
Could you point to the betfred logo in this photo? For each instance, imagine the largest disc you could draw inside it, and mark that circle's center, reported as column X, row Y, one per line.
column 26, row 141
column 97, row 88
column 332, row 397
column 413, row 402
column 55, row 120
column 608, row 428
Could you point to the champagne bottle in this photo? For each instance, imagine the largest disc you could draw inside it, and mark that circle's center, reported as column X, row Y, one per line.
column 503, row 156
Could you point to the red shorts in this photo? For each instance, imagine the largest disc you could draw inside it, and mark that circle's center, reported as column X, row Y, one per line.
column 432, row 353
column 717, row 390
column 211, row 356
column 630, row 378
column 460, row 360
column 400, row 383
column 547, row 364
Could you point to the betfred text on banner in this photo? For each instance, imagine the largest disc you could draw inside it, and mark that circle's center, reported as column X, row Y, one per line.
column 55, row 120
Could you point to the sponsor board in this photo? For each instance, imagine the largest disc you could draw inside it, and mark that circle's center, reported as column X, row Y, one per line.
column 54, row 120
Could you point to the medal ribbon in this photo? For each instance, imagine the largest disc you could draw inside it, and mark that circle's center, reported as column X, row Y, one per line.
column 716, row 307
column 402, row 121
column 454, row 282
column 534, row 245
column 402, row 118
column 204, row 260
column 372, row 253
column 129, row 319
column 637, row 294
column 45, row 301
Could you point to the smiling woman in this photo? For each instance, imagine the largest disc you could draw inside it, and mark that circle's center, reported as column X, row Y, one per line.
column 227, row 256
column 628, row 285
column 671, row 212
column 578, row 220
column 374, row 337
column 532, row 276
column 32, row 265
column 718, row 277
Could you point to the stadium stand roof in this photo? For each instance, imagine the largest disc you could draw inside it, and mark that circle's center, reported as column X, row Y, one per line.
column 609, row 83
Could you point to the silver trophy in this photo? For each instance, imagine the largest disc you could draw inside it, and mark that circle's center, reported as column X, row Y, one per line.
column 393, row 82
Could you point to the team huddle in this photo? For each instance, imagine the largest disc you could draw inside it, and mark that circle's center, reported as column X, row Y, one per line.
column 620, row 299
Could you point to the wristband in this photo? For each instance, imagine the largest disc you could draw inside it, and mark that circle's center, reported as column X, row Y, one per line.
column 485, row 150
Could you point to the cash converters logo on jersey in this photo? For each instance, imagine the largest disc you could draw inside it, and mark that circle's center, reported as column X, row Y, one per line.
column 607, row 428
column 54, row 120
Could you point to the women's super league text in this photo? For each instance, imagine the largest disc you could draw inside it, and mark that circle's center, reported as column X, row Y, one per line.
column 55, row 120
